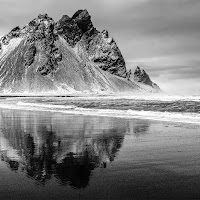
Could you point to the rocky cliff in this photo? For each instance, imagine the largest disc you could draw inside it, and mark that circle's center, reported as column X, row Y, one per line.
column 68, row 55
column 79, row 32
column 141, row 76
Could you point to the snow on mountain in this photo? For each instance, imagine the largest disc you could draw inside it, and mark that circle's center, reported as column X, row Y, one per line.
column 65, row 57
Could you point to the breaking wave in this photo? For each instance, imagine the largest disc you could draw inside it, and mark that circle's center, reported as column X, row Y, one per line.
column 185, row 117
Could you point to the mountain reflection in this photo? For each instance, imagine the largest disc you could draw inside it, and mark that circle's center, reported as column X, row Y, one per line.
column 43, row 150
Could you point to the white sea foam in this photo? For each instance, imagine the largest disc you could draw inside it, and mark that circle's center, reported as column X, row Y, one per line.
column 108, row 95
column 51, row 106
column 129, row 114
column 149, row 97
column 137, row 96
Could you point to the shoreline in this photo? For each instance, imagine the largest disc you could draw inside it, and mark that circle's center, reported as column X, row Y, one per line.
column 108, row 113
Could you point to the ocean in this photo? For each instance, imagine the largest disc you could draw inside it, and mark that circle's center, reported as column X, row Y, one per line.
column 100, row 147
column 166, row 108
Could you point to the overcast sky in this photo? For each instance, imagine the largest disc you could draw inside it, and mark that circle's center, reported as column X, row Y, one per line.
column 161, row 36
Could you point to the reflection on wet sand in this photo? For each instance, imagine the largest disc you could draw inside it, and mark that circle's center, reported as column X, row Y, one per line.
column 68, row 148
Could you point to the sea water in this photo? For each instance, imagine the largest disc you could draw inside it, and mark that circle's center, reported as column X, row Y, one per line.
column 176, row 109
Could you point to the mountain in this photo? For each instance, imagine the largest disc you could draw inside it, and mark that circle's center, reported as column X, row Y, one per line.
column 141, row 76
column 61, row 57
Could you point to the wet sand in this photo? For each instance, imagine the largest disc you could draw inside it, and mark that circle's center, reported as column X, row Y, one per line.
column 55, row 156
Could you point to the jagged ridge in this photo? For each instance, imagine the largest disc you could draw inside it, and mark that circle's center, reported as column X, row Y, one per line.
column 141, row 76
column 70, row 55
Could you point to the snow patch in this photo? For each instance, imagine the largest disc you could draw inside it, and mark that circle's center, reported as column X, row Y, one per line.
column 6, row 49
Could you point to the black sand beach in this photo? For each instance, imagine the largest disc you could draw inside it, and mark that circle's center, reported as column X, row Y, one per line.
column 48, row 155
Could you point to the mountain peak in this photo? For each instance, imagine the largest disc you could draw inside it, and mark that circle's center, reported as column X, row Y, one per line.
column 142, row 76
column 74, row 28
column 137, row 70
column 81, row 14
column 79, row 33
column 43, row 16
column 69, row 54
column 105, row 34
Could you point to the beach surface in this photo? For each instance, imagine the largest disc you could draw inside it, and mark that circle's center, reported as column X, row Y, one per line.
column 53, row 155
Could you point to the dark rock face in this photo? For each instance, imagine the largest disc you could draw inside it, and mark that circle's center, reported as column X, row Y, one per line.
column 100, row 49
column 79, row 32
column 104, row 51
column 29, row 55
column 128, row 74
column 142, row 76
column 41, row 33
column 72, row 29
